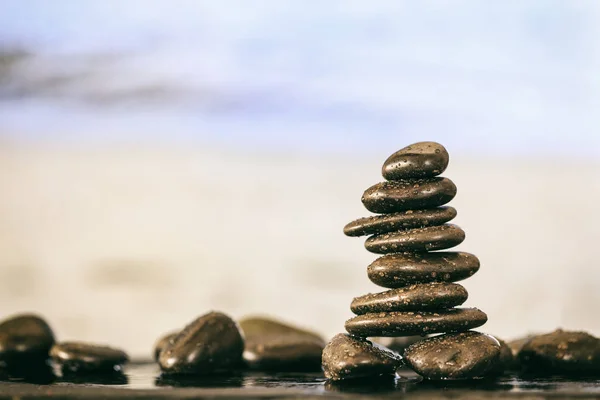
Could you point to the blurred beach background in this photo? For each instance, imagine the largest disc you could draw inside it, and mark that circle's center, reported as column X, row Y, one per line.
column 159, row 159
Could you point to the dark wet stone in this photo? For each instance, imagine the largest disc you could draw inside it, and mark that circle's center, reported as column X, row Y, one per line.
column 561, row 352
column 408, row 219
column 389, row 197
column 398, row 343
column 399, row 270
column 407, row 323
column 419, row 160
column 423, row 296
column 162, row 342
column 274, row 345
column 82, row 357
column 463, row 355
column 209, row 344
column 24, row 339
column 421, row 239
column 347, row 357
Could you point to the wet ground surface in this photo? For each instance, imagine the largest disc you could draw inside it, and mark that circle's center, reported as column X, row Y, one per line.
column 143, row 380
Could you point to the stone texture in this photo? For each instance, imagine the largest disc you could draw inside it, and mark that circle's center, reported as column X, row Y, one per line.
column 412, row 240
column 408, row 219
column 210, row 343
column 463, row 355
column 424, row 296
column 81, row 357
column 347, row 357
column 561, row 352
column 162, row 342
column 389, row 197
column 275, row 345
column 24, row 338
column 419, row 160
column 408, row 323
column 399, row 270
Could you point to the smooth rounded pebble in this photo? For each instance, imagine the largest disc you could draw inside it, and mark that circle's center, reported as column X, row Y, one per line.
column 463, row 355
column 210, row 343
column 421, row 239
column 162, row 342
column 408, row 219
column 408, row 323
column 561, row 352
column 419, row 160
column 389, row 197
column 85, row 357
column 25, row 338
column 423, row 296
column 402, row 269
column 272, row 344
column 347, row 357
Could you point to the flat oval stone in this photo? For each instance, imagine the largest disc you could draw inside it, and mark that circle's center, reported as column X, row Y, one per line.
column 463, row 355
column 210, row 343
column 423, row 296
column 402, row 269
column 162, row 342
column 408, row 323
column 419, row 160
column 85, row 357
column 389, row 197
column 347, row 357
column 408, row 219
column 25, row 338
column 421, row 239
column 271, row 344
column 561, row 352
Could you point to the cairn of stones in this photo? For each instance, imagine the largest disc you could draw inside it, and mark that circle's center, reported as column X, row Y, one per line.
column 422, row 296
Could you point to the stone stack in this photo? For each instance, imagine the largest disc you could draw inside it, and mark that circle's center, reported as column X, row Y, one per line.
column 422, row 298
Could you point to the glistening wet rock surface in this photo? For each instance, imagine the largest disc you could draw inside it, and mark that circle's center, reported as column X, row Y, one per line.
column 348, row 357
column 209, row 344
column 463, row 355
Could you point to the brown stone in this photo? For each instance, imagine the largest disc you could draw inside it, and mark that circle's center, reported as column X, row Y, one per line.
column 408, row 323
column 419, row 160
column 389, row 197
column 416, row 240
column 423, row 296
column 402, row 269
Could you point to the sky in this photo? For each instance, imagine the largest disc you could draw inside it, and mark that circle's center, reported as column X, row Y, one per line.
column 511, row 77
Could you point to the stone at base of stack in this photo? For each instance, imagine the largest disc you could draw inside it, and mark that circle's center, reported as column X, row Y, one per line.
column 422, row 298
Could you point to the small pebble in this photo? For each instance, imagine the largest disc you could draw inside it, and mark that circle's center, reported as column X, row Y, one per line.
column 409, row 323
column 347, row 357
column 408, row 219
column 561, row 352
column 402, row 269
column 24, row 339
column 211, row 343
column 419, row 160
column 421, row 239
column 78, row 357
column 390, row 197
column 423, row 296
column 162, row 342
column 463, row 355
column 274, row 345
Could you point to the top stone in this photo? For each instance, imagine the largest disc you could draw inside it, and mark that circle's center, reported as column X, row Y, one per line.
column 419, row 160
